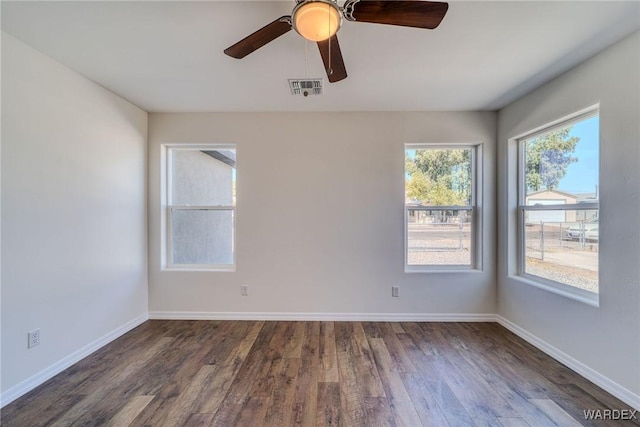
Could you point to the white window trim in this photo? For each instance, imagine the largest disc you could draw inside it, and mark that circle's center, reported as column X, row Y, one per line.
column 572, row 292
column 168, row 209
column 475, row 207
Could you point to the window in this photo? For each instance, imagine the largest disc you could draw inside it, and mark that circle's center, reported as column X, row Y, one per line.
column 558, row 205
column 441, row 216
column 201, row 207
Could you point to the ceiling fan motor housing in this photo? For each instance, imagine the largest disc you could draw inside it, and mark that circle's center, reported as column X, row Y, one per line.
column 316, row 20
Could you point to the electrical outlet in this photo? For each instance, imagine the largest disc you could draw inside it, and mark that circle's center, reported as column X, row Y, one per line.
column 395, row 291
column 33, row 338
column 244, row 290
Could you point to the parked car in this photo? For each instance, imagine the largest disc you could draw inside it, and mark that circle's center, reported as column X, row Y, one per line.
column 590, row 229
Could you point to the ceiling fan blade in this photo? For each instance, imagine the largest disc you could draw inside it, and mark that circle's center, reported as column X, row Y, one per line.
column 406, row 13
column 332, row 59
column 261, row 37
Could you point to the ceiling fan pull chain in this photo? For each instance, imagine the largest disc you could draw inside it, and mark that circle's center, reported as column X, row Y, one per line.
column 329, row 70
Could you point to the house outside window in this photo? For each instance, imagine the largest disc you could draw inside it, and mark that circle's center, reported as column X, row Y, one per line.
column 200, row 211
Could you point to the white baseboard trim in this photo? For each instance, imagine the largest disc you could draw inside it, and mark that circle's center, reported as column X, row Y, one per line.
column 592, row 375
column 35, row 380
column 363, row 317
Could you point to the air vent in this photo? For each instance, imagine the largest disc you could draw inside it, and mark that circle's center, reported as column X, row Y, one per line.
column 305, row 87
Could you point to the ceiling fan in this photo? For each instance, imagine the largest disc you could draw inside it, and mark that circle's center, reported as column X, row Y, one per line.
column 320, row 20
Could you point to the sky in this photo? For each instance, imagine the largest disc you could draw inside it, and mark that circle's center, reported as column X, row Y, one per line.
column 582, row 176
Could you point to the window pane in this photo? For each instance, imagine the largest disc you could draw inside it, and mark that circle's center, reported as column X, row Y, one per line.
column 563, row 246
column 203, row 177
column 561, row 166
column 202, row 237
column 438, row 177
column 438, row 237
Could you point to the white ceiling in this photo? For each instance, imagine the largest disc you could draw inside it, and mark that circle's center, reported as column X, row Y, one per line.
column 167, row 56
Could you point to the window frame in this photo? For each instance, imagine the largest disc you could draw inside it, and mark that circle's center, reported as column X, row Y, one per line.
column 170, row 208
column 560, row 288
column 475, row 207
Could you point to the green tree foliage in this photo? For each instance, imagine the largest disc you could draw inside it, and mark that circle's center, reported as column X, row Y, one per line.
column 419, row 184
column 440, row 177
column 548, row 157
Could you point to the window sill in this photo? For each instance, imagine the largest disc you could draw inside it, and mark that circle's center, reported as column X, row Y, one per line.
column 440, row 269
column 230, row 269
column 576, row 294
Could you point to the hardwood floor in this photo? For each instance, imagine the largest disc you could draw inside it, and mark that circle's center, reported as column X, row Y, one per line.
column 250, row 373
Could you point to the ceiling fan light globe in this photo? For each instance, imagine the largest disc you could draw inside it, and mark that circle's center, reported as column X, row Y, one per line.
column 316, row 20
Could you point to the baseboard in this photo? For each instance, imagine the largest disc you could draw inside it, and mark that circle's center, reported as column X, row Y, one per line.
column 35, row 380
column 349, row 317
column 592, row 375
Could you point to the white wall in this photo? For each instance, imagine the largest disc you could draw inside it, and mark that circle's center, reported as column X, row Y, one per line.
column 604, row 339
column 320, row 216
column 73, row 215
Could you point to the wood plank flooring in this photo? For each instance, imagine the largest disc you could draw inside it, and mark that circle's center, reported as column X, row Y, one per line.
column 251, row 373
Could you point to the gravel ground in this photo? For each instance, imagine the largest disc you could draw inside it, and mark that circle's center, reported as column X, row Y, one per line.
column 578, row 277
column 445, row 244
column 457, row 257
column 569, row 262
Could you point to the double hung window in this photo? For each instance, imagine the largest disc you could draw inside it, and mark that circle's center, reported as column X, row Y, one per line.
column 441, row 215
column 558, row 206
column 201, row 207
